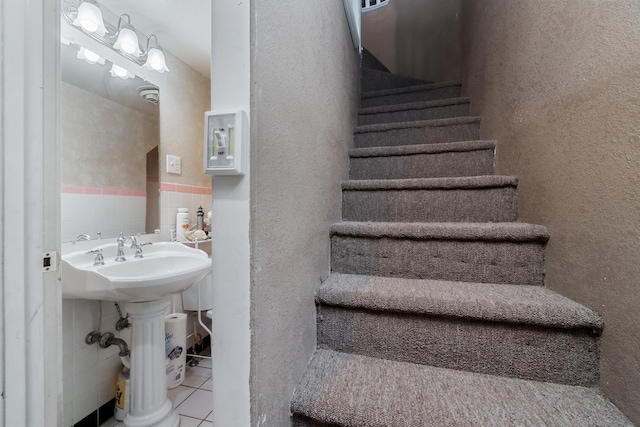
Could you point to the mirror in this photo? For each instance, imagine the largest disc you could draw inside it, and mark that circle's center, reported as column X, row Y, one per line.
column 105, row 185
column 109, row 136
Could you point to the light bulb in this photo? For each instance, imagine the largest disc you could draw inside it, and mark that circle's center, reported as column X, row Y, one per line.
column 89, row 56
column 156, row 61
column 119, row 71
column 90, row 18
column 127, row 42
column 123, row 73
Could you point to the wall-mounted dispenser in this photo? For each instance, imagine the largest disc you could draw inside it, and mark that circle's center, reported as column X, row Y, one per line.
column 225, row 142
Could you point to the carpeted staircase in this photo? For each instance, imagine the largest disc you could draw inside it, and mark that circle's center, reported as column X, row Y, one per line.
column 436, row 313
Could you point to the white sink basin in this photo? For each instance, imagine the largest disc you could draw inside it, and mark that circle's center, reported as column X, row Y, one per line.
column 167, row 268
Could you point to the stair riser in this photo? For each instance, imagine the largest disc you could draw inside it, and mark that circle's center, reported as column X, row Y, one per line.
column 418, row 135
column 464, row 205
column 518, row 351
column 300, row 421
column 379, row 80
column 432, row 165
column 416, row 96
column 518, row 263
column 431, row 113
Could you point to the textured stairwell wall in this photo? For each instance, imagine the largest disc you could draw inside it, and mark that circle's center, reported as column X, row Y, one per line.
column 418, row 39
column 304, row 74
column 558, row 85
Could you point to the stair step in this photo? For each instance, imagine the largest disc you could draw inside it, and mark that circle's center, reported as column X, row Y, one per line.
column 371, row 80
column 371, row 62
column 349, row 390
column 428, row 110
column 527, row 332
column 418, row 132
column 460, row 199
column 467, row 158
column 510, row 253
column 427, row 92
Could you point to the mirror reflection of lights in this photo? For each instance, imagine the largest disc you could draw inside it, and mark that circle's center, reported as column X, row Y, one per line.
column 123, row 73
column 89, row 56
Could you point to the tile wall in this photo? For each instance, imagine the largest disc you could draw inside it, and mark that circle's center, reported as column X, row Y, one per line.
column 174, row 196
column 93, row 210
column 89, row 372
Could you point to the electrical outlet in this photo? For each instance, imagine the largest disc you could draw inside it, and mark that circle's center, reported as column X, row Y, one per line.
column 174, row 164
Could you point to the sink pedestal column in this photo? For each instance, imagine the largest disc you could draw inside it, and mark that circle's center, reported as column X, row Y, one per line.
column 148, row 402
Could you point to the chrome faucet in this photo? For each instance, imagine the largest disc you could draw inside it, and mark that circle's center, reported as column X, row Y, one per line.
column 120, row 254
column 81, row 237
column 138, row 246
column 99, row 257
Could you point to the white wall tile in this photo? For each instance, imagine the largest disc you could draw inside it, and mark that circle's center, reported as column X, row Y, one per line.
column 84, row 382
column 85, row 358
column 85, row 404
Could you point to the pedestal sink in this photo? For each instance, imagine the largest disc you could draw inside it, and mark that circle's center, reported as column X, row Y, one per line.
column 143, row 283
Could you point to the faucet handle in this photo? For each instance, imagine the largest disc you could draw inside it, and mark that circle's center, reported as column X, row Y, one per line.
column 139, row 249
column 99, row 257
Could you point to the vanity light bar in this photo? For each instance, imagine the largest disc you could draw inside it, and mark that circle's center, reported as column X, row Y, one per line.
column 122, row 39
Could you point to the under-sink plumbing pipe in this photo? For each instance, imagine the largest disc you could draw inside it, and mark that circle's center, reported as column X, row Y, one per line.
column 106, row 340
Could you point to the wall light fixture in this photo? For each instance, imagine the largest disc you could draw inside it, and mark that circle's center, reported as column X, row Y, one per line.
column 121, row 38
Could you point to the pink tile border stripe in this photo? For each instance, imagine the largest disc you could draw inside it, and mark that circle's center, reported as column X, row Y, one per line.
column 105, row 191
column 180, row 188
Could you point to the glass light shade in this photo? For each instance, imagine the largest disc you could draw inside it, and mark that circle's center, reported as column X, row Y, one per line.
column 156, row 61
column 90, row 19
column 89, row 56
column 123, row 73
column 127, row 42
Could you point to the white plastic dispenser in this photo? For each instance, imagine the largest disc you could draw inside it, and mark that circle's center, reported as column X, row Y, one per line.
column 182, row 224
column 225, row 142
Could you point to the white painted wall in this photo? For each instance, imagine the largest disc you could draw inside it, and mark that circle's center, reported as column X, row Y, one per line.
column 231, row 340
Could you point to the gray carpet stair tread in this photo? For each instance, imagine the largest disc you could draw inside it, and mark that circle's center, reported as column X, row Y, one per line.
column 413, row 106
column 454, row 121
column 532, row 305
column 405, row 150
column 402, row 90
column 496, row 232
column 371, row 80
column 446, row 183
column 357, row 391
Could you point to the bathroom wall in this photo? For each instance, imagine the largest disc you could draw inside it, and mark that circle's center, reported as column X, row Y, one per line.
column 89, row 371
column 418, row 39
column 556, row 83
column 304, row 92
column 185, row 95
column 184, row 98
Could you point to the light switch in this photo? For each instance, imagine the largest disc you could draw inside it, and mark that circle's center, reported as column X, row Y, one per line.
column 174, row 164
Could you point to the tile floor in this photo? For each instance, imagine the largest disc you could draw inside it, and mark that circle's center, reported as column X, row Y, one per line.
column 192, row 399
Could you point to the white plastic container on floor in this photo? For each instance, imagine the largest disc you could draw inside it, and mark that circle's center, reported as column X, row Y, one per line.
column 175, row 329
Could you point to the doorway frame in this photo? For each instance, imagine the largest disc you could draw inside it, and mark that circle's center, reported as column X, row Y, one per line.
column 31, row 334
